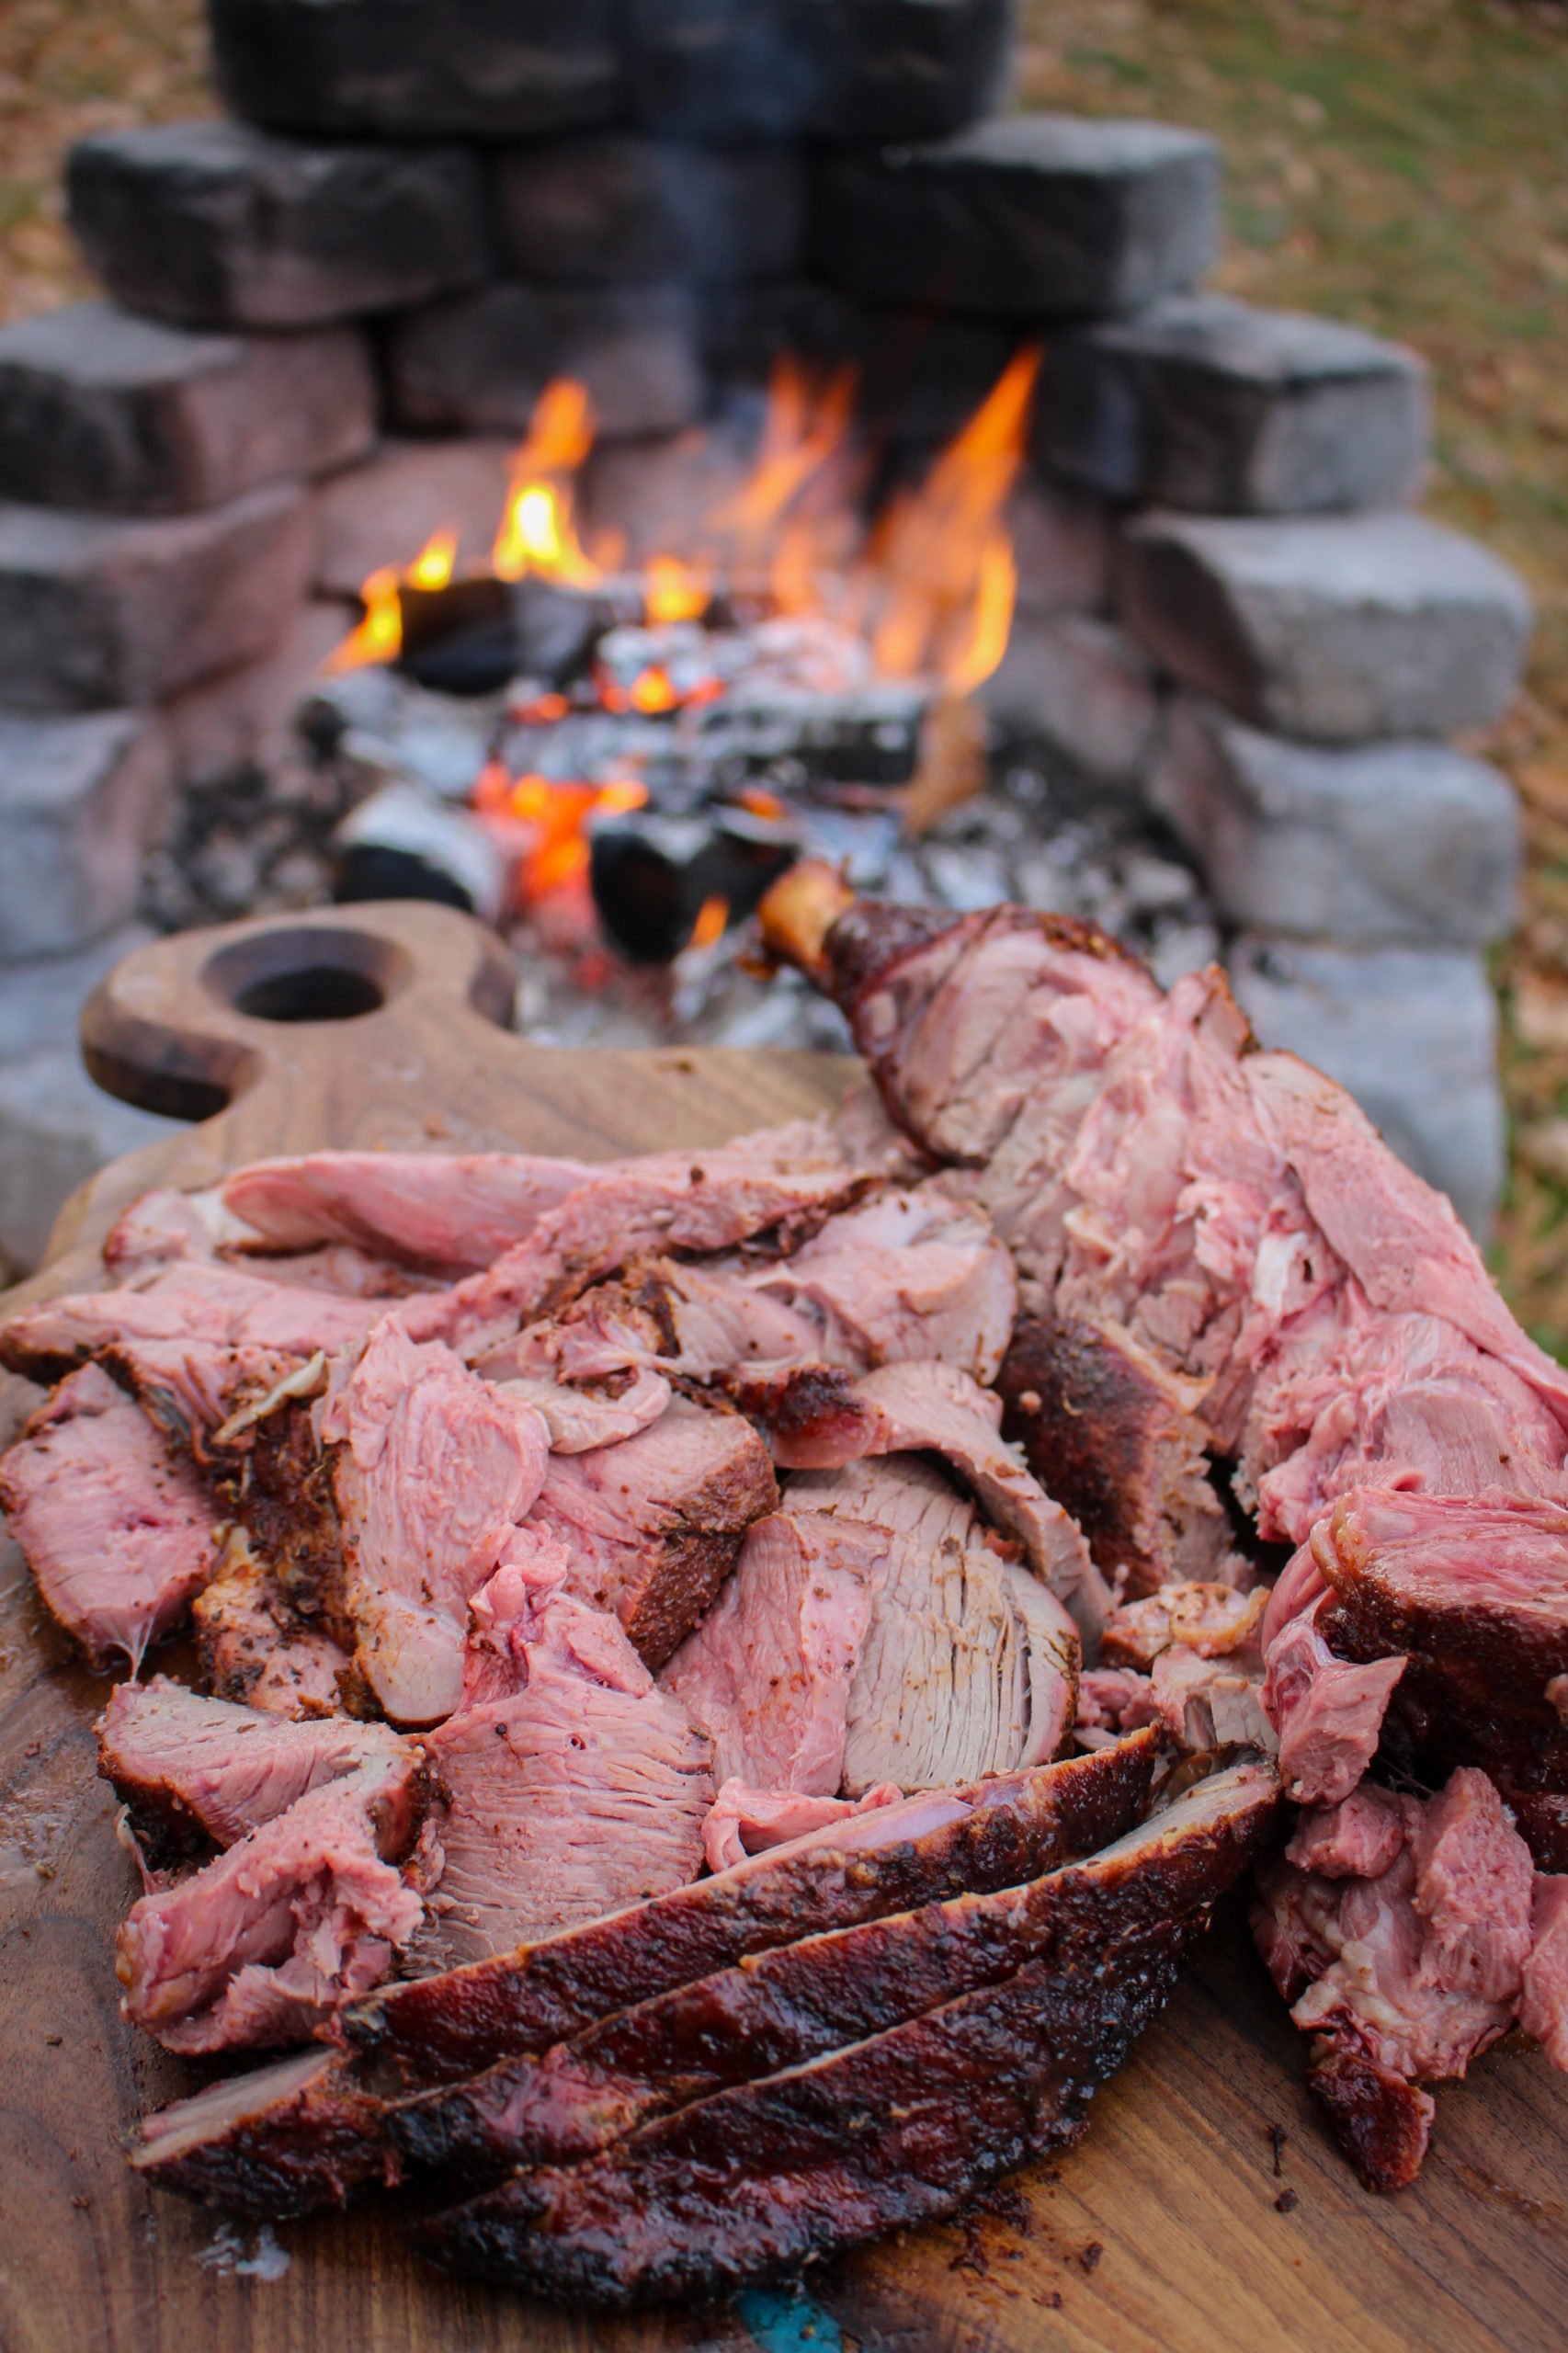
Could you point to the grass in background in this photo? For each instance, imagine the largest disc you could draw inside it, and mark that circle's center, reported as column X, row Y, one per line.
column 1400, row 163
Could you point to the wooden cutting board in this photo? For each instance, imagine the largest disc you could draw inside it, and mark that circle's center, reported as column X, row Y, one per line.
column 1171, row 2230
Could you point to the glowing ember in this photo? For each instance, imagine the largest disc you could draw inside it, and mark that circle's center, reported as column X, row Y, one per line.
column 712, row 916
column 550, row 818
column 675, row 591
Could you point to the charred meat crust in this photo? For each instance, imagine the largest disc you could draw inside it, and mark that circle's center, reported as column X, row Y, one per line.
column 897, row 2130
column 876, row 935
column 1382, row 2122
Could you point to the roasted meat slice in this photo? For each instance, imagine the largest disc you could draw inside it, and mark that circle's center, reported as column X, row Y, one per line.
column 1454, row 1611
column 192, row 1339
column 117, row 1531
column 776, row 2010
column 300, row 2136
column 821, row 1420
column 449, row 1212
column 699, row 1203
column 190, row 1770
column 767, row 1673
column 433, row 1469
column 1408, row 1936
column 898, row 2127
column 968, row 1664
column 653, row 1526
column 743, row 1821
column 261, row 1945
column 569, row 1784
column 1120, row 1444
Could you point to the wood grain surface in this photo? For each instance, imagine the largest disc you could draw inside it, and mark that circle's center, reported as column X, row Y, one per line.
column 1168, row 2231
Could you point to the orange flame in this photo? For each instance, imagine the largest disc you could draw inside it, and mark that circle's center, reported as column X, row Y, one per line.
column 712, row 916
column 537, row 534
column 555, row 813
column 675, row 591
column 379, row 637
column 944, row 578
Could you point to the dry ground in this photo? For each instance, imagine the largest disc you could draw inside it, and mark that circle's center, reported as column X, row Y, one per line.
column 1397, row 161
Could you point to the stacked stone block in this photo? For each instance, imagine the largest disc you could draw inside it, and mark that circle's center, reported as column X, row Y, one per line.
column 326, row 317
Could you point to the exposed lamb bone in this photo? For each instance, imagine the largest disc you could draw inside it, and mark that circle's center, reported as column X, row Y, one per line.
column 117, row 1531
column 569, row 1784
column 700, row 1201
column 742, row 1820
column 192, row 1768
column 822, row 1420
column 262, row 1944
column 897, row 2128
column 310, row 2131
column 432, row 1470
column 767, row 1673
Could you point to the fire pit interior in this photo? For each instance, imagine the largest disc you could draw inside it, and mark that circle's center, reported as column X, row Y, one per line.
column 575, row 470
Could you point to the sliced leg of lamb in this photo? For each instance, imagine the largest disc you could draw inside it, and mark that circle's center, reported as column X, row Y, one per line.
column 743, row 1821
column 767, row 1673
column 901, row 2124
column 818, row 1420
column 1405, row 1935
column 574, row 1786
column 1459, row 1605
column 451, row 1213
column 433, row 1469
column 263, row 1944
column 1118, row 1440
column 776, row 2010
column 968, row 1664
column 193, row 1339
column 301, row 2137
column 703, row 1201
column 119, row 1533
column 654, row 1526
column 190, row 1768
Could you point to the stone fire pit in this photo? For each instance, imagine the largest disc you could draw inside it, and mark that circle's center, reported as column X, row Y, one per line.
column 1238, row 656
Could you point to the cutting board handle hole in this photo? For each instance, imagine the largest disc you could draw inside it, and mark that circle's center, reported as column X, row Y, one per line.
column 308, row 975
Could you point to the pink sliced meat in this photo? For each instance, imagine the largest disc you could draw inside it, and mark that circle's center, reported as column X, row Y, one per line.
column 450, row 1211
column 263, row 1944
column 653, row 1526
column 1474, row 1884
column 118, row 1532
column 188, row 1765
column 817, row 1421
column 1328, row 1714
column 434, row 1468
column 742, row 1820
column 1213, row 1620
column 572, row 1787
column 1543, row 1995
column 768, row 1672
column 702, row 1201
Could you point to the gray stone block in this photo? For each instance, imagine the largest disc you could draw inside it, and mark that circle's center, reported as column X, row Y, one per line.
column 1080, row 685
column 217, row 225
column 80, row 801
column 1334, row 629
column 386, row 510
column 745, row 330
column 410, row 69
column 1064, row 546
column 41, row 998
column 97, row 613
column 619, row 208
column 1412, row 1033
column 823, row 68
column 1385, row 842
column 1206, row 404
column 479, row 363
column 246, row 714
column 57, row 1129
column 1027, row 217
column 117, row 415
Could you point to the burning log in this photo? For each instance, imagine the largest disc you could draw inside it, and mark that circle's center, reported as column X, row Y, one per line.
column 403, row 843
column 653, row 876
